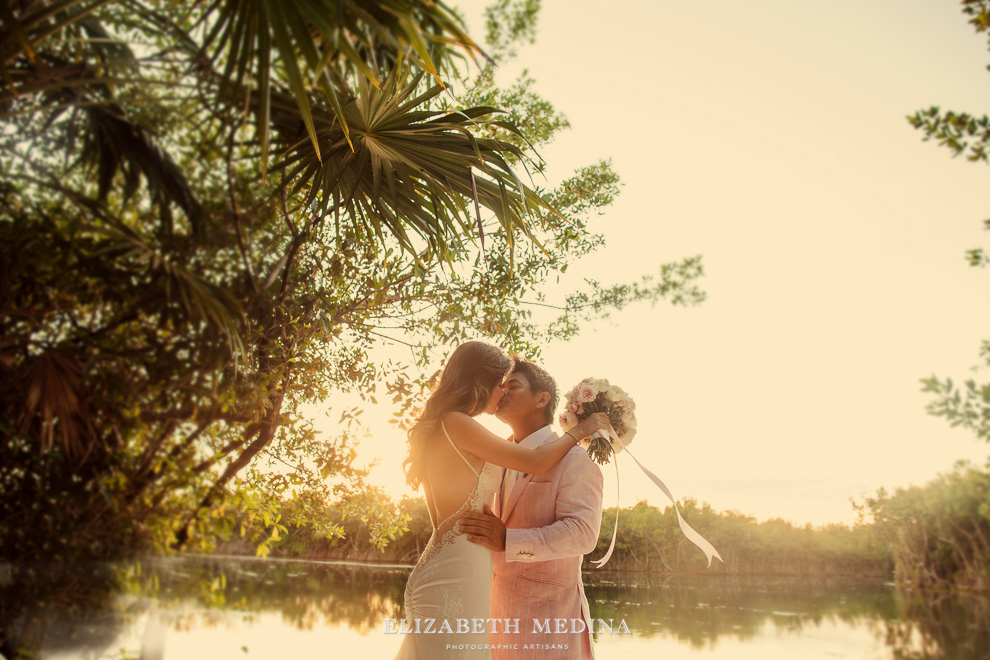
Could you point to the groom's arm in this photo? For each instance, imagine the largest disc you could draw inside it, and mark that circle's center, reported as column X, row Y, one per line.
column 578, row 512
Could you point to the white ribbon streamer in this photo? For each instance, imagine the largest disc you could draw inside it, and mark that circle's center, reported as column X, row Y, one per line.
column 687, row 530
column 611, row 546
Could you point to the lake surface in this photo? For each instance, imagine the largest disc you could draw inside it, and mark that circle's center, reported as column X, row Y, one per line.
column 224, row 608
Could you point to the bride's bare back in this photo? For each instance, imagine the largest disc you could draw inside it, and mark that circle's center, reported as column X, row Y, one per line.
column 451, row 476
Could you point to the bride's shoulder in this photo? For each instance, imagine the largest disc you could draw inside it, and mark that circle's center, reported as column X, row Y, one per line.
column 459, row 421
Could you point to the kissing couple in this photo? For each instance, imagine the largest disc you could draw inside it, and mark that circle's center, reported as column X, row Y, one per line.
column 512, row 518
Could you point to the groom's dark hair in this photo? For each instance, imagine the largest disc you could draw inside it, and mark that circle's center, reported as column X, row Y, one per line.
column 539, row 381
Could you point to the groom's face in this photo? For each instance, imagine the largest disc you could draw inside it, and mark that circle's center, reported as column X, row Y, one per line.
column 518, row 399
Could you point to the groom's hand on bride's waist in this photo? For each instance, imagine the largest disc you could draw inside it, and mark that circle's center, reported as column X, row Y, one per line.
column 484, row 529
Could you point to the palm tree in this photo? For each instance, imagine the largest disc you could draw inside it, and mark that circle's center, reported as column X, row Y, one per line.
column 172, row 173
column 332, row 80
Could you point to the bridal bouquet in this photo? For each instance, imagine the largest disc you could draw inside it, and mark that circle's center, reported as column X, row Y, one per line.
column 594, row 395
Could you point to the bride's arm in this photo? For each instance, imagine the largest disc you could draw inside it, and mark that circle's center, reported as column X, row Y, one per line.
column 471, row 436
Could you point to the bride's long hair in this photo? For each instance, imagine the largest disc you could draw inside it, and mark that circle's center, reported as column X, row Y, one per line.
column 472, row 373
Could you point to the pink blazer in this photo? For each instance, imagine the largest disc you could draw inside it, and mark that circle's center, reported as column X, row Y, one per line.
column 552, row 521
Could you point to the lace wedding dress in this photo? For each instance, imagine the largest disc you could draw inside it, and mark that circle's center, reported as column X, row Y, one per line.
column 451, row 583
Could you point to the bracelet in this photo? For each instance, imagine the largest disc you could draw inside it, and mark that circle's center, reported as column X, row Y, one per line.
column 576, row 440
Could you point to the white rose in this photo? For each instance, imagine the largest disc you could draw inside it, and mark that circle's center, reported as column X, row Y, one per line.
column 603, row 385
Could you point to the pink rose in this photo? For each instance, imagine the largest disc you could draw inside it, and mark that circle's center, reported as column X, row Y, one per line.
column 562, row 419
column 573, row 407
column 587, row 394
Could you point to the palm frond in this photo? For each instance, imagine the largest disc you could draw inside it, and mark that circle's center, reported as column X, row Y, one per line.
column 411, row 168
column 81, row 77
column 114, row 144
column 317, row 44
column 54, row 396
column 199, row 299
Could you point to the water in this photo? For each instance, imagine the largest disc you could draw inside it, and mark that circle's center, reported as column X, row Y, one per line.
column 223, row 608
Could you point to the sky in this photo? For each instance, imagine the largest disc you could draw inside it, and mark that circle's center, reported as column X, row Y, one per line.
column 769, row 137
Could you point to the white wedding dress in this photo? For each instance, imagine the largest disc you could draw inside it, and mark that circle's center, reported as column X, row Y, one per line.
column 451, row 583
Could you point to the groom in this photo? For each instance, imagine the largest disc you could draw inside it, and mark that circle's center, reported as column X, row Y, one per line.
column 541, row 528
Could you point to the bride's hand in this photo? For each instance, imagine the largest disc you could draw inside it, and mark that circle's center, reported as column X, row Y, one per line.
column 592, row 423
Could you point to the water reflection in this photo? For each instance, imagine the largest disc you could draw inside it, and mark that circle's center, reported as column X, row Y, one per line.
column 57, row 607
column 938, row 626
column 699, row 610
column 306, row 595
column 144, row 609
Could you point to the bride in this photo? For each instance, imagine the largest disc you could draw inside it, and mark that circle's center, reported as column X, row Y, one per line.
column 458, row 462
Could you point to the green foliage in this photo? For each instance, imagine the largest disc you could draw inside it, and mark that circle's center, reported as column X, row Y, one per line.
column 939, row 534
column 509, row 22
column 959, row 132
column 650, row 540
column 193, row 246
column 967, row 406
column 962, row 133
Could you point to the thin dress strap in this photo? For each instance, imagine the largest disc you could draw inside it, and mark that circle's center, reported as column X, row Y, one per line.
column 436, row 509
column 458, row 450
